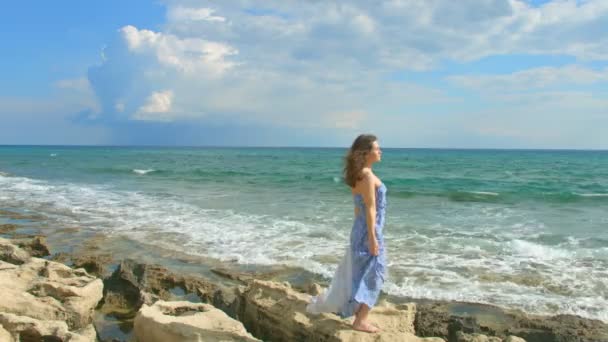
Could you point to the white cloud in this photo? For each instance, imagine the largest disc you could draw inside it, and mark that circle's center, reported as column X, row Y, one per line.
column 157, row 107
column 187, row 55
column 77, row 93
column 330, row 63
column 532, row 79
column 180, row 13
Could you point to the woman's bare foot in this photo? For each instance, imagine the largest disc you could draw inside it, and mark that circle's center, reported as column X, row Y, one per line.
column 366, row 327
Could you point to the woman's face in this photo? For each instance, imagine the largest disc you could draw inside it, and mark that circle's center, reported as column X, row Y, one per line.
column 375, row 155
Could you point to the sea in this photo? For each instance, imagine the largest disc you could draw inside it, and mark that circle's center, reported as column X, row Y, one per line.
column 521, row 229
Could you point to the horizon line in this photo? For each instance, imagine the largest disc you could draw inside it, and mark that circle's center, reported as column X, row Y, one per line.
column 310, row 147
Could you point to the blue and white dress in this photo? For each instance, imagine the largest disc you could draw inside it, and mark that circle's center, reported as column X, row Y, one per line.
column 360, row 275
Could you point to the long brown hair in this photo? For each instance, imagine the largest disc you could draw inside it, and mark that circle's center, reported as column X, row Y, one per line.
column 355, row 158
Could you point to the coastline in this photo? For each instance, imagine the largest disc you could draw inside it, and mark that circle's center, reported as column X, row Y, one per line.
column 103, row 255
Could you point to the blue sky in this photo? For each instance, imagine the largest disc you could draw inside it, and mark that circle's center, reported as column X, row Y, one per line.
column 472, row 73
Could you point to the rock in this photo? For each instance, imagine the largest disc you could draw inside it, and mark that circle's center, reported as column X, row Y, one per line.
column 36, row 246
column 18, row 216
column 274, row 311
column 232, row 275
column 7, row 228
column 227, row 300
column 463, row 337
column 23, row 328
column 46, row 290
column 133, row 284
column 61, row 257
column 12, row 254
column 514, row 339
column 88, row 333
column 5, row 335
column 94, row 264
column 435, row 320
column 185, row 321
column 314, row 289
column 560, row 328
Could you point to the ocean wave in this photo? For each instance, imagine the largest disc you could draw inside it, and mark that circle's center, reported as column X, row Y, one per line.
column 143, row 172
column 592, row 195
column 435, row 267
column 484, row 193
column 501, row 197
column 538, row 251
column 473, row 196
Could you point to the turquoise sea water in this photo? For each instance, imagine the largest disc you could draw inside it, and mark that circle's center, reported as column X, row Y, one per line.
column 520, row 229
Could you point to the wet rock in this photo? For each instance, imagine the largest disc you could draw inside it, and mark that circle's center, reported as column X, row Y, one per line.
column 7, row 228
column 36, row 246
column 186, row 321
column 61, row 257
column 18, row 216
column 436, row 320
column 560, row 328
column 464, row 337
column 232, row 275
column 94, row 264
column 514, row 339
column 432, row 320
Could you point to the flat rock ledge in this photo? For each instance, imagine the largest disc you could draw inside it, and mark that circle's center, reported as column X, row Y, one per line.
column 187, row 322
column 44, row 300
column 276, row 312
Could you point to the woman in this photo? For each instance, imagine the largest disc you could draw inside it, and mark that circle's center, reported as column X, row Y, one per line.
column 357, row 282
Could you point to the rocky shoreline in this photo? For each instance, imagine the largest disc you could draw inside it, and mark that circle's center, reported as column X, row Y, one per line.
column 86, row 294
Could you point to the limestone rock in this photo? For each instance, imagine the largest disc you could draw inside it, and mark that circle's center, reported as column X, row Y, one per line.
column 186, row 321
column 35, row 245
column 275, row 311
column 5, row 335
column 37, row 292
column 12, row 254
column 23, row 328
column 133, row 284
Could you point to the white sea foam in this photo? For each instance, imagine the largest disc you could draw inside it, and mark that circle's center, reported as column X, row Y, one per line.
column 540, row 252
column 486, row 193
column 143, row 172
column 453, row 263
column 53, row 155
column 592, row 195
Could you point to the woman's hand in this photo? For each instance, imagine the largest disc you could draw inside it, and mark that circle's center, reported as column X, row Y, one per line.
column 373, row 247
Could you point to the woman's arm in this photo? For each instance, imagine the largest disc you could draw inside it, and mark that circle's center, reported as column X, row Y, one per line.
column 369, row 197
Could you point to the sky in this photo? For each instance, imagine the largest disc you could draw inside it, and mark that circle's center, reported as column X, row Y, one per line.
column 417, row 73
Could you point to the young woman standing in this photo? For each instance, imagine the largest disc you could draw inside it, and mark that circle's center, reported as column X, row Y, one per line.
column 357, row 282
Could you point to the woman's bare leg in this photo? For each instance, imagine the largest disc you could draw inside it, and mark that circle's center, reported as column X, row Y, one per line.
column 360, row 323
